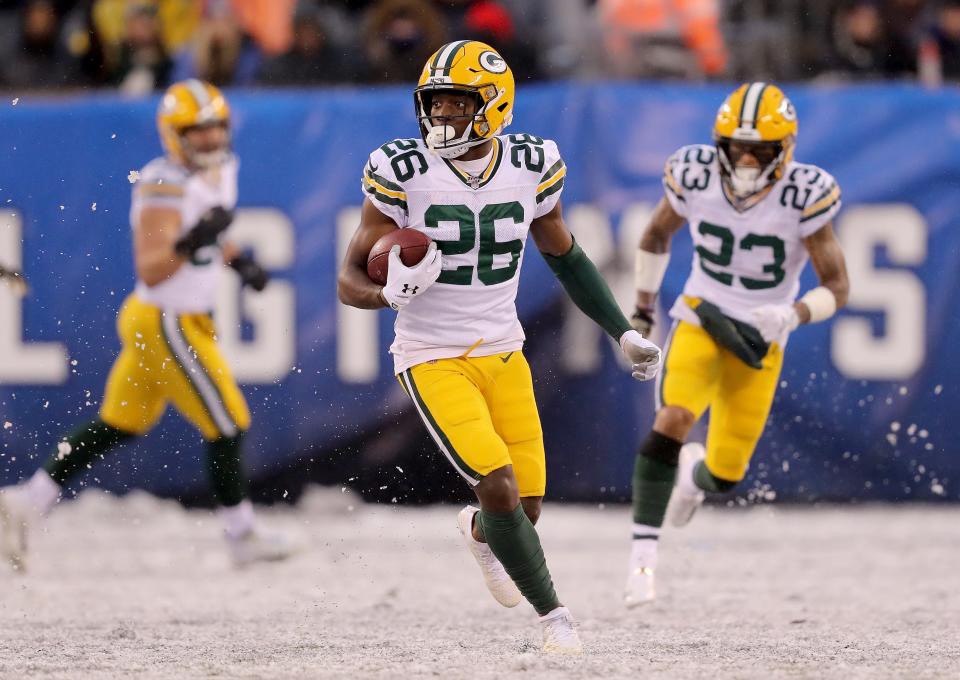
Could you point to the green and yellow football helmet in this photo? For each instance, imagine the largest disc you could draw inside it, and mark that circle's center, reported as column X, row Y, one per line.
column 475, row 68
column 759, row 117
column 190, row 104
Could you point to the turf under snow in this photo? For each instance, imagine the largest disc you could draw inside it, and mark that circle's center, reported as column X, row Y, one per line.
column 141, row 588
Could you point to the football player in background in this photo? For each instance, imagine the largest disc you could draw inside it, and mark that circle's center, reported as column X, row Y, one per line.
column 181, row 206
column 458, row 347
column 756, row 216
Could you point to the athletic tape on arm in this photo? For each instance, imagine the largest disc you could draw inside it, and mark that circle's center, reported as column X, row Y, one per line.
column 649, row 270
column 821, row 302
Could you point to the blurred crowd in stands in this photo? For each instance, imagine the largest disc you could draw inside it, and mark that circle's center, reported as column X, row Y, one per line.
column 140, row 46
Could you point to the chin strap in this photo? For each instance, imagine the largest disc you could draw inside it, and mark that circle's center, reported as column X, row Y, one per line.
column 762, row 181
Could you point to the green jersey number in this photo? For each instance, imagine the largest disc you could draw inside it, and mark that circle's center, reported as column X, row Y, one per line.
column 711, row 260
column 405, row 158
column 489, row 246
column 527, row 150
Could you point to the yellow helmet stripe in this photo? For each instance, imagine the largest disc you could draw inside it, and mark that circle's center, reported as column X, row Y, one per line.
column 445, row 56
column 751, row 105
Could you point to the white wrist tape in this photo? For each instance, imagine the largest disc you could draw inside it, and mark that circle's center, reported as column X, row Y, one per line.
column 649, row 270
column 821, row 302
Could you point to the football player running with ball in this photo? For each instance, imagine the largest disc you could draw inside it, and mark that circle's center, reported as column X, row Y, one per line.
column 182, row 204
column 756, row 216
column 458, row 343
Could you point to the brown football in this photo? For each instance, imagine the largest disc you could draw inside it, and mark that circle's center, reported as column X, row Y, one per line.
column 413, row 246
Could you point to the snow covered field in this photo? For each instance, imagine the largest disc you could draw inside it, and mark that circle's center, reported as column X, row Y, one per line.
column 141, row 588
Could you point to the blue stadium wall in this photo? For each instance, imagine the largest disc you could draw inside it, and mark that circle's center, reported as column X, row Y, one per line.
column 865, row 403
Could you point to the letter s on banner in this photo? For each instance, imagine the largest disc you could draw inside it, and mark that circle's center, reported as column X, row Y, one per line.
column 900, row 352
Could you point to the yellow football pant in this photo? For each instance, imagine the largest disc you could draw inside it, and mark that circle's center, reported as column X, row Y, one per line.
column 697, row 373
column 482, row 414
column 171, row 358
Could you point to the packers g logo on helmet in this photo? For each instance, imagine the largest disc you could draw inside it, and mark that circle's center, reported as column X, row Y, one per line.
column 475, row 68
column 189, row 104
column 493, row 62
column 760, row 116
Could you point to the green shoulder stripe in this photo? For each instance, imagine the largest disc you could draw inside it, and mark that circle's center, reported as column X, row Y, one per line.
column 384, row 198
column 554, row 169
column 833, row 185
column 552, row 189
column 821, row 211
column 383, row 181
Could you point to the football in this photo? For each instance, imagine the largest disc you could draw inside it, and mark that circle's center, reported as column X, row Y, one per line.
column 413, row 246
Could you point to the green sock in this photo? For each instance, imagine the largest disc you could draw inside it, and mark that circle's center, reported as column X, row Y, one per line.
column 88, row 443
column 515, row 542
column 225, row 464
column 707, row 481
column 654, row 473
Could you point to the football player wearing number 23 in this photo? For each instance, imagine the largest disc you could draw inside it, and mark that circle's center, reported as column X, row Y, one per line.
column 756, row 216
column 458, row 343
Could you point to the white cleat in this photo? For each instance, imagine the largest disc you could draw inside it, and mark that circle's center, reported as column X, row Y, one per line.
column 259, row 546
column 15, row 520
column 559, row 634
column 686, row 497
column 499, row 583
column 640, row 586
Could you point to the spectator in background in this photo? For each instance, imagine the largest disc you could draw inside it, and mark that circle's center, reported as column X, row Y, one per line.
column 663, row 38
column 143, row 64
column 177, row 20
column 268, row 22
column 220, row 52
column 941, row 48
column 108, row 36
column 905, row 22
column 490, row 22
column 40, row 61
column 859, row 45
column 312, row 58
column 398, row 38
column 453, row 13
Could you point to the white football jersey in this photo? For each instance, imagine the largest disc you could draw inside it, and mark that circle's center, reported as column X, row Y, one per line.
column 742, row 260
column 480, row 224
column 192, row 288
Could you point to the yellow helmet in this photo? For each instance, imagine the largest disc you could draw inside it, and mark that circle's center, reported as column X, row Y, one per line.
column 758, row 116
column 465, row 66
column 189, row 104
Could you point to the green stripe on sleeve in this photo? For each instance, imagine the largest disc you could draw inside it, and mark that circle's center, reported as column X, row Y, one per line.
column 383, row 198
column 552, row 189
column 554, row 169
column 819, row 212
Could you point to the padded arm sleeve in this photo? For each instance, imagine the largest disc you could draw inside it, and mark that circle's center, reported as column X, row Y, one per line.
column 588, row 290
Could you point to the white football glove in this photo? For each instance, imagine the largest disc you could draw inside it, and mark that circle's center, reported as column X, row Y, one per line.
column 404, row 283
column 775, row 322
column 643, row 355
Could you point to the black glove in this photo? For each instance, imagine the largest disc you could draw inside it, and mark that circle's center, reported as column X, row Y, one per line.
column 251, row 274
column 205, row 232
column 741, row 338
column 642, row 320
